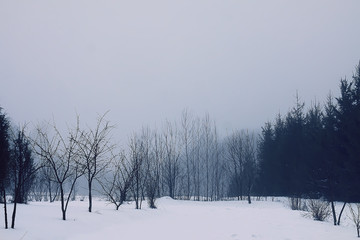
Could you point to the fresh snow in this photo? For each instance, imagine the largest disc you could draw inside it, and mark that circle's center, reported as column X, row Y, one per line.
column 174, row 219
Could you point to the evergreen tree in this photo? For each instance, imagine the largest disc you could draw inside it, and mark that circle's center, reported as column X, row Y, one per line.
column 268, row 169
column 348, row 126
column 313, row 149
column 4, row 149
column 4, row 159
column 293, row 147
column 22, row 170
column 330, row 169
column 279, row 157
column 317, row 153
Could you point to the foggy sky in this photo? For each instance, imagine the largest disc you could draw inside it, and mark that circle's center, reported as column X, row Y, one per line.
column 145, row 61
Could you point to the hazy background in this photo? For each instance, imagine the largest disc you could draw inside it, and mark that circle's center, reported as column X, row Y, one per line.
column 145, row 61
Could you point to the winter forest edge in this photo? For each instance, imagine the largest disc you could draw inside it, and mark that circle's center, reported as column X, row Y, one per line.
column 311, row 152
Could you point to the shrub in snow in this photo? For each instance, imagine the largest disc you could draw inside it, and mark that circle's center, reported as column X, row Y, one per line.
column 318, row 209
column 151, row 202
column 355, row 216
column 296, row 203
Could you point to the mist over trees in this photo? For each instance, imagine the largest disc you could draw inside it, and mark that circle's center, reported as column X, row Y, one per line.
column 310, row 152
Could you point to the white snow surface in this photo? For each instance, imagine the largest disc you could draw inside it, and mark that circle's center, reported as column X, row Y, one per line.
column 174, row 219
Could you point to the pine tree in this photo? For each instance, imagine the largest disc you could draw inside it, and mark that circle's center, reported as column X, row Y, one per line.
column 294, row 150
column 313, row 150
column 4, row 159
column 266, row 161
column 348, row 126
column 22, row 170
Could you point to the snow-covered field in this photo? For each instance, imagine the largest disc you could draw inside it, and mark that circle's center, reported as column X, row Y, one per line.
column 174, row 219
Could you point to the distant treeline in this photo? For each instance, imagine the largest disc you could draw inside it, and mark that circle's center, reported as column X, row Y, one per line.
column 314, row 153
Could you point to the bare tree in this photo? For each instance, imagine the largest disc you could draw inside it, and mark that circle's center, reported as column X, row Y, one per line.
column 187, row 128
column 208, row 147
column 171, row 167
column 38, row 190
column 94, row 151
column 337, row 219
column 48, row 177
column 196, row 160
column 218, row 170
column 61, row 154
column 138, row 152
column 250, row 165
column 235, row 156
column 111, row 187
column 355, row 216
column 118, row 180
column 153, row 168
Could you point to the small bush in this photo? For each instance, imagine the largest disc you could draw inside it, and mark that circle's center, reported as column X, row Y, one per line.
column 355, row 216
column 296, row 203
column 319, row 209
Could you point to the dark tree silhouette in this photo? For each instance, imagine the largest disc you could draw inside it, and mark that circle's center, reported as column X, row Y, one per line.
column 4, row 159
column 22, row 170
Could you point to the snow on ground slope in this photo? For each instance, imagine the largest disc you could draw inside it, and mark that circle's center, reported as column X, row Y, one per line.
column 172, row 220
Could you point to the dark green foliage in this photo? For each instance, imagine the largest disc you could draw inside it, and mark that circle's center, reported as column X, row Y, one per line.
column 4, row 160
column 267, row 166
column 348, row 129
column 22, row 170
column 22, row 167
column 317, row 153
column 4, row 148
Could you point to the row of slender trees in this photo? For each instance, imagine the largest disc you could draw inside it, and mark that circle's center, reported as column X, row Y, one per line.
column 310, row 153
column 184, row 160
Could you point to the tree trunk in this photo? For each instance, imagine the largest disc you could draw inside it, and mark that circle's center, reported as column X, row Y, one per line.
column 51, row 200
column 122, row 197
column 63, row 210
column 63, row 214
column 249, row 199
column 333, row 212
column 5, row 210
column 249, row 192
column 342, row 209
column 188, row 175
column 137, row 203
column 90, row 197
column 16, row 198
column 13, row 216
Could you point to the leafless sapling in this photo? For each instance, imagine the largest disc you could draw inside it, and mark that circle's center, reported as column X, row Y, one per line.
column 61, row 154
column 117, row 182
column 94, row 151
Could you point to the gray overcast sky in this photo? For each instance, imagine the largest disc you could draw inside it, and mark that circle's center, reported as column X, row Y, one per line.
column 145, row 61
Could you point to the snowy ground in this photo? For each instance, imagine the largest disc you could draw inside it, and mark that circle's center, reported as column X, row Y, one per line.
column 172, row 220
